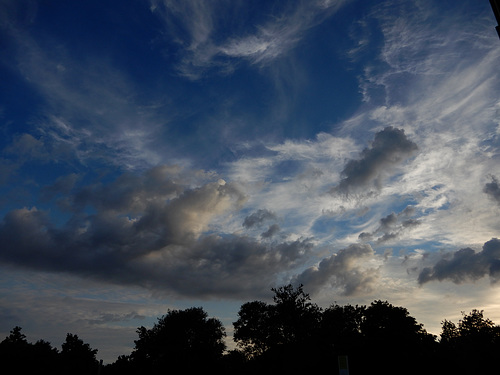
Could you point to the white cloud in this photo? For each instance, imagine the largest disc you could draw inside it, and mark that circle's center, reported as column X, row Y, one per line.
column 271, row 39
column 89, row 108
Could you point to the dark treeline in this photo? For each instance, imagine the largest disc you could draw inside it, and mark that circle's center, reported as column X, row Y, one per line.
column 21, row 357
column 291, row 335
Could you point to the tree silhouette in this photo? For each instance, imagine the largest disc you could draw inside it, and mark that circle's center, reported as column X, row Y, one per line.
column 14, row 349
column 280, row 334
column 17, row 353
column 292, row 320
column 291, row 335
column 296, row 319
column 78, row 357
column 341, row 327
column 386, row 322
column 44, row 358
column 390, row 329
column 472, row 344
column 472, row 330
column 253, row 331
column 16, row 338
column 181, row 339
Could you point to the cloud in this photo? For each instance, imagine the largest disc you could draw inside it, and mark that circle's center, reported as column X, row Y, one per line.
column 271, row 231
column 25, row 146
column 208, row 266
column 152, row 232
column 88, row 109
column 258, row 218
column 230, row 266
column 344, row 270
column 493, row 189
column 23, row 149
column 392, row 226
column 190, row 24
column 203, row 47
column 466, row 265
column 390, row 147
column 62, row 186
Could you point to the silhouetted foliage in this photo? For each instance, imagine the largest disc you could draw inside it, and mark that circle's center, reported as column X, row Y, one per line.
column 14, row 349
column 253, row 331
column 296, row 319
column 182, row 339
column 471, row 345
column 297, row 335
column 282, row 333
column 291, row 335
column 18, row 354
column 44, row 358
column 391, row 332
column 78, row 357
column 124, row 365
column 341, row 326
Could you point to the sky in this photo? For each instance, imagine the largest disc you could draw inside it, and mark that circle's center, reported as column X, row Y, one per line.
column 163, row 154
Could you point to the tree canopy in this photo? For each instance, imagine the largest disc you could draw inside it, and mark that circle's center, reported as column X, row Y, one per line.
column 472, row 343
column 181, row 339
column 290, row 335
column 303, row 335
column 76, row 357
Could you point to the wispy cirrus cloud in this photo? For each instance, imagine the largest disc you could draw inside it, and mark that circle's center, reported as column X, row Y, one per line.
column 193, row 24
column 88, row 108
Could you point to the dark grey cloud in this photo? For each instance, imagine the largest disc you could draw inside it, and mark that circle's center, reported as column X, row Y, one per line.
column 113, row 250
column 62, row 186
column 258, row 217
column 466, row 265
column 343, row 270
column 271, row 231
column 389, row 147
column 386, row 223
column 392, row 226
column 27, row 147
column 154, row 232
column 493, row 189
column 231, row 266
column 133, row 193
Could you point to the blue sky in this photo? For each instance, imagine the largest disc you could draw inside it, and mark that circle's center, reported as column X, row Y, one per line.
column 167, row 154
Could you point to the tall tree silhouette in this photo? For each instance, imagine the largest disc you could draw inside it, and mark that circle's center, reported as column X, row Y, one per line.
column 184, row 340
column 14, row 349
column 18, row 354
column 253, row 331
column 78, row 357
column 341, row 327
column 292, row 320
column 296, row 318
column 471, row 345
column 280, row 334
column 391, row 332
